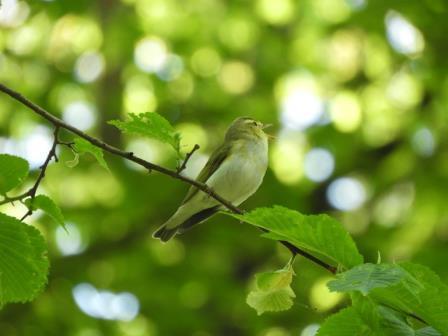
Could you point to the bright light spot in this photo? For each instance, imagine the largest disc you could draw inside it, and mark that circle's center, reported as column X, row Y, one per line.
column 402, row 35
column 393, row 207
column 182, row 88
column 345, row 111
column 357, row 4
column 287, row 159
column 150, row 54
column 423, row 142
column 89, row 66
column 301, row 103
column 278, row 12
column 79, row 114
column 236, row 77
column 345, row 49
column 172, row 68
column 125, row 306
column 310, row 330
column 238, row 32
column 346, row 194
column 318, row 164
column 34, row 147
column 13, row 13
column 105, row 304
column 69, row 241
column 276, row 331
column 139, row 96
column 321, row 298
column 404, row 90
column 149, row 150
column 206, row 62
column 332, row 11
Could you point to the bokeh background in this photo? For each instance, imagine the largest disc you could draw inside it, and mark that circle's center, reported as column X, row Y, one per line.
column 357, row 91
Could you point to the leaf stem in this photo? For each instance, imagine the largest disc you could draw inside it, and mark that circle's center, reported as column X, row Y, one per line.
column 58, row 123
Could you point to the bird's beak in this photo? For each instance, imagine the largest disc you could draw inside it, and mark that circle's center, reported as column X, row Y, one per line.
column 266, row 126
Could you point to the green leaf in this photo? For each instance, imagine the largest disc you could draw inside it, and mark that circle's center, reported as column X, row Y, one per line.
column 151, row 125
column 13, row 171
column 47, row 205
column 318, row 234
column 384, row 320
column 427, row 331
column 365, row 277
column 431, row 303
column 344, row 323
column 83, row 146
column 23, row 261
column 273, row 292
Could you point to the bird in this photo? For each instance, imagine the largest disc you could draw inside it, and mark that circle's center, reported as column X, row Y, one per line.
column 234, row 171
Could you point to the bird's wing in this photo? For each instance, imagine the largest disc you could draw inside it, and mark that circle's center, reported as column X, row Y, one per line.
column 213, row 163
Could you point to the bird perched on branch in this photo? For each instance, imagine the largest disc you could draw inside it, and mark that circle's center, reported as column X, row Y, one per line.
column 234, row 171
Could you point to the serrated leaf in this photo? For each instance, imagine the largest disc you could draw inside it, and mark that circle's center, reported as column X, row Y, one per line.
column 272, row 291
column 83, row 146
column 318, row 234
column 365, row 277
column 431, row 303
column 23, row 261
column 384, row 320
column 13, row 171
column 344, row 323
column 271, row 301
column 47, row 205
column 150, row 125
column 427, row 331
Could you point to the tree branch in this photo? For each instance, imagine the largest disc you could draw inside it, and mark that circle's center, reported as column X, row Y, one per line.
column 58, row 123
column 187, row 157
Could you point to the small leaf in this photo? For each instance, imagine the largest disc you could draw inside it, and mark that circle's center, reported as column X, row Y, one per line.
column 83, row 146
column 23, row 261
column 273, row 291
column 47, row 205
column 320, row 235
column 73, row 163
column 271, row 301
column 150, row 125
column 365, row 277
column 13, row 171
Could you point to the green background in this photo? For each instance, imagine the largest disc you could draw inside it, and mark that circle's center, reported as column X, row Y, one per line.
column 375, row 71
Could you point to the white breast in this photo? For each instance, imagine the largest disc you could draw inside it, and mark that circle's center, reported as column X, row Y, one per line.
column 242, row 173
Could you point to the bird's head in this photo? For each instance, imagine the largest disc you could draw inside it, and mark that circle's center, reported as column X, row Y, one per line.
column 246, row 128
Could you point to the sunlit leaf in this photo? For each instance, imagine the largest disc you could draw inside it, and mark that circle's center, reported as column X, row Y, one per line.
column 83, row 146
column 273, row 292
column 13, row 171
column 319, row 234
column 47, row 205
column 23, row 261
column 150, row 125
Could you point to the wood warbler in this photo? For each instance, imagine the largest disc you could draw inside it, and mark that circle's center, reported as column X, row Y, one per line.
column 234, row 171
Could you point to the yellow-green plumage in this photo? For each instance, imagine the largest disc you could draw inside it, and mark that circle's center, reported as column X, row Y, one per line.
column 235, row 170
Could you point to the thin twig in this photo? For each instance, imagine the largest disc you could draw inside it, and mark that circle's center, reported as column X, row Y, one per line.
column 58, row 123
column 187, row 157
column 51, row 154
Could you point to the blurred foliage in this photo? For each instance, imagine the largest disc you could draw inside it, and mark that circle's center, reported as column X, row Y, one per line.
column 356, row 89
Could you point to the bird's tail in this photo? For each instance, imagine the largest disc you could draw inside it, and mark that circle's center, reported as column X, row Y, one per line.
column 164, row 234
column 176, row 225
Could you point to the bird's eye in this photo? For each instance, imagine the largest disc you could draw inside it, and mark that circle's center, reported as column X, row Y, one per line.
column 255, row 123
